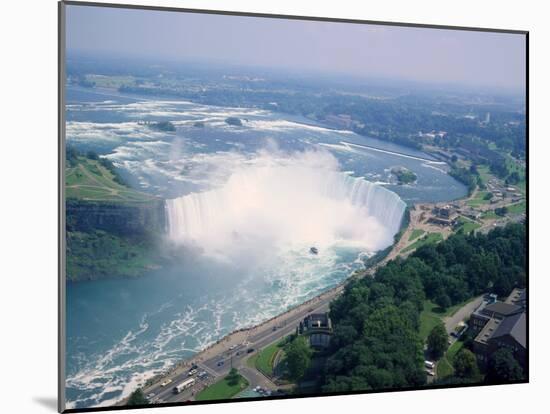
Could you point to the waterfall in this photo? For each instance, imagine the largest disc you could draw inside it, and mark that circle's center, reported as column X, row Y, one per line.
column 268, row 206
column 381, row 203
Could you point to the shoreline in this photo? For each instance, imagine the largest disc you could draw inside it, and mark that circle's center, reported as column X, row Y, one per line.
column 239, row 336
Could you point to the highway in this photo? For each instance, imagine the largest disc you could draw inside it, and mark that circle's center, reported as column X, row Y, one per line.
column 226, row 354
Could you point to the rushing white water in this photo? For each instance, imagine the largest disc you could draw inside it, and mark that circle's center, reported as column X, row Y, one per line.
column 273, row 204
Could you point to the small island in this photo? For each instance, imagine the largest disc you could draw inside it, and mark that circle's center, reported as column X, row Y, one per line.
column 164, row 126
column 404, row 176
column 232, row 120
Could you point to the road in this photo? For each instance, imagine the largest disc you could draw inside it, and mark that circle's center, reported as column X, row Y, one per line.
column 229, row 354
column 451, row 322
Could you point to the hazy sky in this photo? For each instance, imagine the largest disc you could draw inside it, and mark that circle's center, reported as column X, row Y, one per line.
column 432, row 55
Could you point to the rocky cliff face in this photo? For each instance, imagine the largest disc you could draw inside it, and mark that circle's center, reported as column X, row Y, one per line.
column 116, row 218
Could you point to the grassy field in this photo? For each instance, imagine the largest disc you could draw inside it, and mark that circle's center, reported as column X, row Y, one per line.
column 467, row 225
column 263, row 360
column 433, row 314
column 429, row 238
column 490, row 215
column 484, row 173
column 430, row 317
column 517, row 208
column 445, row 364
column 479, row 199
column 416, row 233
column 444, row 368
column 453, row 350
column 222, row 390
column 88, row 180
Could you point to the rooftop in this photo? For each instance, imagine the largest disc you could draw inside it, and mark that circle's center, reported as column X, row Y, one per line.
column 488, row 331
column 517, row 296
column 501, row 308
column 316, row 321
column 515, row 326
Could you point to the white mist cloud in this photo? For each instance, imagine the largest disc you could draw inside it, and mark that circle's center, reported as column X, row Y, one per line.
column 276, row 202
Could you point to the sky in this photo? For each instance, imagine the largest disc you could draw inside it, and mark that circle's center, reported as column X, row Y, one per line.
column 493, row 60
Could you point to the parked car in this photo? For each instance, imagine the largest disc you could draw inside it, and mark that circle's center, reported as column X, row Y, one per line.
column 220, row 363
column 249, row 350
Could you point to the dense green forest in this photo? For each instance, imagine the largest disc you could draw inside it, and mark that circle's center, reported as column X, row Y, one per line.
column 376, row 342
column 98, row 254
column 468, row 177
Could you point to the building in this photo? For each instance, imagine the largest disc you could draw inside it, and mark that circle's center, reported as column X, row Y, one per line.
column 496, row 310
column 318, row 327
column 517, row 297
column 472, row 213
column 445, row 212
column 444, row 216
column 501, row 325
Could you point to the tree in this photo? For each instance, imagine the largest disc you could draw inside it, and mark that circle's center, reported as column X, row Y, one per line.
column 233, row 377
column 503, row 367
column 72, row 156
column 442, row 300
column 501, row 211
column 438, row 341
column 465, row 365
column 138, row 398
column 513, row 178
column 298, row 357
